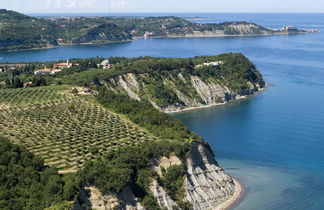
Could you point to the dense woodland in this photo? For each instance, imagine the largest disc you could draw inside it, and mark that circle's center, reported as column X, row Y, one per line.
column 26, row 183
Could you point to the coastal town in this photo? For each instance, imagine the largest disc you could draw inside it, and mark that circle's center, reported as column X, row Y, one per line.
column 41, row 70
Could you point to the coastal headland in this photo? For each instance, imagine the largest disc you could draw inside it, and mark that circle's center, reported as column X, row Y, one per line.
column 21, row 32
column 104, row 121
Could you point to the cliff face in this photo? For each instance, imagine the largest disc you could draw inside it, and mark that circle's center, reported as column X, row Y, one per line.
column 206, row 185
column 229, row 29
column 184, row 92
column 92, row 198
column 193, row 178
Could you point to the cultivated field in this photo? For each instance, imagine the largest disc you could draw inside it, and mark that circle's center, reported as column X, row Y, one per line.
column 63, row 129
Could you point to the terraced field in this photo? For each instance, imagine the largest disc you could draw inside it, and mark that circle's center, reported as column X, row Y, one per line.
column 65, row 130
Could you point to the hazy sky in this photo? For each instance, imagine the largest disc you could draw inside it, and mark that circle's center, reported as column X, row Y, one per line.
column 56, row 6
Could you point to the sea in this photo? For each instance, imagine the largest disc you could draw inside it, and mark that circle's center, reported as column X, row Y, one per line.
column 272, row 142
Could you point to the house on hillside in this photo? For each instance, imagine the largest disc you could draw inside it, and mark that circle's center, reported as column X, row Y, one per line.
column 66, row 65
column 46, row 71
column 104, row 65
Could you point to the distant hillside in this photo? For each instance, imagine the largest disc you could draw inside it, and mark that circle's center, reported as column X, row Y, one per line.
column 18, row 31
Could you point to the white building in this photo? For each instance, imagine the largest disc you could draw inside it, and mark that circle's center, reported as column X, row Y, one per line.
column 104, row 64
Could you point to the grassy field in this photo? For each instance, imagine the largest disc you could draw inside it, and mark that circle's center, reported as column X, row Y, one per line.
column 63, row 129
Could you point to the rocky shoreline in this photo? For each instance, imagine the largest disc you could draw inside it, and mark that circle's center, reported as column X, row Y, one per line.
column 239, row 191
column 214, row 104
column 236, row 197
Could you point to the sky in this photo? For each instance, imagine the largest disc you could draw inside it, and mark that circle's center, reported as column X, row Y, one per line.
column 125, row 6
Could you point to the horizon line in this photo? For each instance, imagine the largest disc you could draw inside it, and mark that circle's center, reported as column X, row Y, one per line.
column 322, row 12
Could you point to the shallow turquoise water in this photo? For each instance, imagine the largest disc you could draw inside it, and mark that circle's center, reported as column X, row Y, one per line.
column 272, row 142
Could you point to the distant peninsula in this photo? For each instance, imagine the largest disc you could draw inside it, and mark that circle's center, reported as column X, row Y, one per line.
column 21, row 32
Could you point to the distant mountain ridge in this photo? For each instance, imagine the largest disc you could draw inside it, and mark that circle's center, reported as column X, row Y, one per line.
column 19, row 31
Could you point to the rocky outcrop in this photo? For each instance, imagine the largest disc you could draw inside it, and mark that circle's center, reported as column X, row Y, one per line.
column 92, row 198
column 130, row 85
column 165, row 162
column 209, row 92
column 161, row 196
column 192, row 91
column 207, row 185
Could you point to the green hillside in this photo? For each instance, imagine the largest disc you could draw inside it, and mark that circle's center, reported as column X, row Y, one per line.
column 169, row 81
column 106, row 139
column 73, row 128
column 19, row 31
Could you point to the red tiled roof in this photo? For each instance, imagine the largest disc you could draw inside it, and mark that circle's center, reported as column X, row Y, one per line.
column 62, row 64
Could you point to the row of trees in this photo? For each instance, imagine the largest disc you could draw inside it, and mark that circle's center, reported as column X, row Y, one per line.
column 17, row 82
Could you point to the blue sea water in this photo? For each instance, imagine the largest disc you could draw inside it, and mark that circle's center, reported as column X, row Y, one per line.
column 274, row 141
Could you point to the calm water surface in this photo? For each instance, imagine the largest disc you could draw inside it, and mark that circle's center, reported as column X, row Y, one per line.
column 272, row 142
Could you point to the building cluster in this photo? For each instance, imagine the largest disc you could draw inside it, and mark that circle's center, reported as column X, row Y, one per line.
column 66, row 65
column 58, row 67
